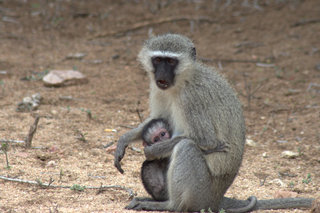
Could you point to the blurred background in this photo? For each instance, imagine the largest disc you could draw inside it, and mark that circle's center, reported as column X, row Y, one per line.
column 269, row 50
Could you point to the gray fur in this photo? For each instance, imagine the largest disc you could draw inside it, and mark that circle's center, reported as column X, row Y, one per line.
column 204, row 113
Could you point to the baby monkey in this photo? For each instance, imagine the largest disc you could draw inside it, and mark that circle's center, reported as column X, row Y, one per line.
column 154, row 173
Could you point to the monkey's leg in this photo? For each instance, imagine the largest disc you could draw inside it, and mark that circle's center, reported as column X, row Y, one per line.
column 140, row 203
column 189, row 182
column 154, row 178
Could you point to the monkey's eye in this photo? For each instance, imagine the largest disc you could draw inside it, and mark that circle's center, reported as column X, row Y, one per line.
column 162, row 134
column 172, row 61
column 156, row 139
column 156, row 60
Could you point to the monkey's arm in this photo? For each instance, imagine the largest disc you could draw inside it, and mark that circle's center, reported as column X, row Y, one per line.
column 124, row 141
column 162, row 149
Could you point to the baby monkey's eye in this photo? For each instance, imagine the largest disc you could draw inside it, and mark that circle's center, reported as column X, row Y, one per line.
column 162, row 134
column 156, row 139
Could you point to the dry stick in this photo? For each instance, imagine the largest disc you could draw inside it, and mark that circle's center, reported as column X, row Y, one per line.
column 225, row 60
column 304, row 22
column 48, row 185
column 144, row 24
column 33, row 129
column 10, row 141
column 139, row 115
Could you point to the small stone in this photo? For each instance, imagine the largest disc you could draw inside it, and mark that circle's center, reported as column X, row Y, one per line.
column 63, row 78
column 29, row 103
column 76, row 56
column 250, row 142
column 51, row 163
column 317, row 67
column 289, row 154
column 264, row 155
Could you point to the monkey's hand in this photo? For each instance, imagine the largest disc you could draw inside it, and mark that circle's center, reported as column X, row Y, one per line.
column 120, row 151
column 221, row 147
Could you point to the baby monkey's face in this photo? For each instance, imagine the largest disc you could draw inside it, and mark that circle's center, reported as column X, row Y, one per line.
column 160, row 135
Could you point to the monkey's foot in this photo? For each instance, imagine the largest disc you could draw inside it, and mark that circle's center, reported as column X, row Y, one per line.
column 149, row 204
column 134, row 204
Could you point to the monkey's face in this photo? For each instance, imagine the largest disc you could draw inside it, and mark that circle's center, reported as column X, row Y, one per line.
column 164, row 71
column 160, row 135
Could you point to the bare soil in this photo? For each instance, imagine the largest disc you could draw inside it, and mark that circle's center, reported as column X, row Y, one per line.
column 281, row 102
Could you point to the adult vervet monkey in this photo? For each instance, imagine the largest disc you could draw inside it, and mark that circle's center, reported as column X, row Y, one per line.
column 204, row 113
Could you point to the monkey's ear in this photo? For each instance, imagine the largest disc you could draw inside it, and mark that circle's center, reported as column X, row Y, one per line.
column 193, row 53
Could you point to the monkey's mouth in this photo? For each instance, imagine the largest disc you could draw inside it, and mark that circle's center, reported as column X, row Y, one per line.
column 163, row 84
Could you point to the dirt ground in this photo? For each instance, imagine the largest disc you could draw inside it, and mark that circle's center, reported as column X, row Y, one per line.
column 281, row 97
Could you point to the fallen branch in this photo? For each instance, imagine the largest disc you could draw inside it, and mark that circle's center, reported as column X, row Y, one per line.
column 10, row 141
column 305, row 22
column 144, row 24
column 33, row 129
column 49, row 185
column 228, row 60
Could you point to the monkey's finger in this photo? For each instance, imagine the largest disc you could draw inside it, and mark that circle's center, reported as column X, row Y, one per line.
column 118, row 166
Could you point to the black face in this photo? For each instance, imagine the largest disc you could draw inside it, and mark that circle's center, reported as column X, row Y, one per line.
column 164, row 68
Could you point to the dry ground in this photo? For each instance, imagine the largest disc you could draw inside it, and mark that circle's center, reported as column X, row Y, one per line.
column 35, row 36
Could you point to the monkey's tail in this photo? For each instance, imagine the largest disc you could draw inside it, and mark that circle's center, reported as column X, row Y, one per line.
column 238, row 206
column 252, row 204
column 284, row 203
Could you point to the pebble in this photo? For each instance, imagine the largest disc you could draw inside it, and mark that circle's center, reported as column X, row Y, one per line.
column 289, row 154
column 29, row 103
column 250, row 142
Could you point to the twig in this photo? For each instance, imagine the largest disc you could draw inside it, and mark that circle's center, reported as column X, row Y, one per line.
column 10, row 141
column 4, row 148
column 128, row 127
column 49, row 185
column 144, row 24
column 139, row 115
column 138, row 112
column 225, row 60
column 33, row 129
column 304, row 22
column 249, row 91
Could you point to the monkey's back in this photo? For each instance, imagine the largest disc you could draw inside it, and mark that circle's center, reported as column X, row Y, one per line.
column 214, row 110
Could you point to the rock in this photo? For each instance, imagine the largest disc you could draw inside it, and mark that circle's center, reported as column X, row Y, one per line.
column 317, row 67
column 250, row 142
column 264, row 155
column 64, row 78
column 29, row 103
column 285, row 194
column 289, row 154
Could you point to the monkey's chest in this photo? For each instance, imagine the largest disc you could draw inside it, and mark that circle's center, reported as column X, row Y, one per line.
column 171, row 111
